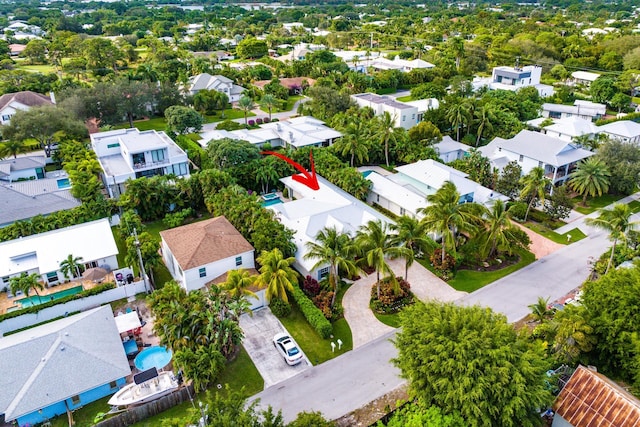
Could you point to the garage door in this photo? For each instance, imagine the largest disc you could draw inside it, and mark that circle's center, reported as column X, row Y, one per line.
column 259, row 302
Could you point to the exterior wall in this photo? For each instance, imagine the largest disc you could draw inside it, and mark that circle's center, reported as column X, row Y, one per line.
column 9, row 111
column 558, row 421
column 374, row 198
column 562, row 136
column 25, row 173
column 194, row 281
column 60, row 408
column 259, row 302
column 451, row 156
column 634, row 139
column 172, row 263
column 111, row 261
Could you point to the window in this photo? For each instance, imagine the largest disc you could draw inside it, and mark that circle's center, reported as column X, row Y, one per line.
column 179, row 169
column 413, row 117
column 202, row 272
column 521, row 158
column 5, row 280
column 323, row 272
column 113, row 385
column 75, row 399
column 238, row 261
column 377, row 198
column 52, row 277
column 539, row 164
column 402, row 211
column 157, row 155
column 116, row 145
column 6, row 117
column 404, row 118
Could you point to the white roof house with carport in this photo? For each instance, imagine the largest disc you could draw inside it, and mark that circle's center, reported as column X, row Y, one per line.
column 622, row 130
column 42, row 253
column 60, row 366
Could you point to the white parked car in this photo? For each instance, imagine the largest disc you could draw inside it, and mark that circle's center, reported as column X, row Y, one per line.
column 287, row 348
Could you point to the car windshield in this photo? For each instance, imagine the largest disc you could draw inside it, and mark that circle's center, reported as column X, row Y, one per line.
column 293, row 351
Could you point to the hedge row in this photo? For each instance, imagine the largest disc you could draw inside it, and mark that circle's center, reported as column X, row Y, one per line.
column 312, row 313
column 36, row 308
column 633, row 117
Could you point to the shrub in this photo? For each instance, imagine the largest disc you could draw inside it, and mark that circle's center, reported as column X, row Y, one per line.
column 313, row 315
column 390, row 301
column 280, row 308
column 310, row 286
column 266, row 120
column 443, row 269
column 518, row 210
column 323, row 302
column 275, row 120
column 258, row 121
column 252, row 122
column 176, row 219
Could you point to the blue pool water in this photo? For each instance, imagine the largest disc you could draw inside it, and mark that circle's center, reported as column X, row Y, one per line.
column 157, row 357
column 271, row 202
column 36, row 300
column 64, row 183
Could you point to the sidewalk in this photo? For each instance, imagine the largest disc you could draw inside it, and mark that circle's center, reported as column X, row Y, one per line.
column 579, row 219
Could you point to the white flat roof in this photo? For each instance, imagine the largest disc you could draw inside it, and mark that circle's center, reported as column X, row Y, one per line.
column 396, row 193
column 45, row 251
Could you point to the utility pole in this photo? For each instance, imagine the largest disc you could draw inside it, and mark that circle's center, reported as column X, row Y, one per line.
column 142, row 272
column 371, row 42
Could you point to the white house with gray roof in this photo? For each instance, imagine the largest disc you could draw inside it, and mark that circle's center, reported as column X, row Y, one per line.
column 513, row 79
column 533, row 149
column 583, row 109
column 622, row 130
column 42, row 253
column 405, row 114
column 218, row 83
column 60, row 366
column 570, row 128
column 22, row 168
column 129, row 154
column 449, row 149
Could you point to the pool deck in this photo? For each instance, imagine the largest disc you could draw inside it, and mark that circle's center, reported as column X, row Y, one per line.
column 8, row 303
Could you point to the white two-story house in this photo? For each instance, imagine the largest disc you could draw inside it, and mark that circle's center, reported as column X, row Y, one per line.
column 515, row 78
column 129, row 154
column 405, row 114
column 222, row 84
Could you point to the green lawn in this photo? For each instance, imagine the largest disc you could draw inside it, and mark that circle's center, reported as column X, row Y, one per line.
column 595, row 203
column 552, row 235
column 289, row 104
column 37, row 68
column 635, row 206
column 318, row 350
column 470, row 280
column 392, row 320
column 84, row 416
column 405, row 98
column 229, row 114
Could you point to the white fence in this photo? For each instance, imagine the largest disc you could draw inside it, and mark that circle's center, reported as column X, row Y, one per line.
column 82, row 304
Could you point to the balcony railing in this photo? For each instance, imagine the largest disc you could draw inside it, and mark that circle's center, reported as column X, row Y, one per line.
column 148, row 165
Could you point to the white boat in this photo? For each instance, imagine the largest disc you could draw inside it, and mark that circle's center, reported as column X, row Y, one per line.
column 146, row 386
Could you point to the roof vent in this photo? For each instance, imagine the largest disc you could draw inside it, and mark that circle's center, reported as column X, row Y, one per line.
column 62, row 348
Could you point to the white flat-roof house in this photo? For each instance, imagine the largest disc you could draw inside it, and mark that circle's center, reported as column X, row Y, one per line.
column 60, row 366
column 198, row 253
column 11, row 103
column 42, row 253
column 403, row 65
column 570, row 128
column 222, row 84
column 129, row 154
column 406, row 114
column 533, row 149
column 622, row 130
column 515, row 78
column 584, row 77
column 449, row 149
column 296, row 132
column 313, row 210
column 583, row 109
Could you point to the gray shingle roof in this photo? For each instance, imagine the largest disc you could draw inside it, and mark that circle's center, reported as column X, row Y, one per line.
column 15, row 206
column 52, row 362
column 23, row 163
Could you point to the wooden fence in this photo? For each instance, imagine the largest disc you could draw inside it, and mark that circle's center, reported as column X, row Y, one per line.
column 142, row 412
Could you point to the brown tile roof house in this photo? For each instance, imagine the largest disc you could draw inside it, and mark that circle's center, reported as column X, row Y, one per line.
column 592, row 400
column 204, row 242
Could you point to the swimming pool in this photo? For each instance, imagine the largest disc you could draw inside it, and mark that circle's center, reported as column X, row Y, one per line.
column 64, row 183
column 157, row 357
column 35, row 300
column 270, row 199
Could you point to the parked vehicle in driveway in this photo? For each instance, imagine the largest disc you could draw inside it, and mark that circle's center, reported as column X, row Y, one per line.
column 287, row 348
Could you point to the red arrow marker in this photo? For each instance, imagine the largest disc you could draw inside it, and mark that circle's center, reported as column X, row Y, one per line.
column 308, row 179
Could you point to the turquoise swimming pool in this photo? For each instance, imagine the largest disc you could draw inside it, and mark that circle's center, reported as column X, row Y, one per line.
column 270, row 199
column 64, row 183
column 35, row 300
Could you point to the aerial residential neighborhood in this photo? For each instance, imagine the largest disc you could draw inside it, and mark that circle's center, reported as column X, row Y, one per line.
column 319, row 213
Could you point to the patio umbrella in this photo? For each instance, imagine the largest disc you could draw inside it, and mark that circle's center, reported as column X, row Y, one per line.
column 95, row 273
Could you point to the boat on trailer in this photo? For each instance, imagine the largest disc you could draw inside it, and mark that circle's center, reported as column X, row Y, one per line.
column 147, row 386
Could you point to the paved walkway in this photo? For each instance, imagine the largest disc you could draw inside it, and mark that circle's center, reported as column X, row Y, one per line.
column 540, row 245
column 579, row 221
column 364, row 325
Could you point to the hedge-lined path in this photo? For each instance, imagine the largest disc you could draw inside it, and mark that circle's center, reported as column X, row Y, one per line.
column 364, row 325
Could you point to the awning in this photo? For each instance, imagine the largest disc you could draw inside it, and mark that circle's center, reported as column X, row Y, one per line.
column 127, row 322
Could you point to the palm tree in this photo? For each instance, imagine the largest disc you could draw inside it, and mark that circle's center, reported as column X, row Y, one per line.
column 376, row 245
column 483, row 115
column 534, row 185
column 266, row 173
column 385, row 132
column 458, row 114
column 333, row 248
column 617, row 222
column 269, row 101
column 590, row 178
column 238, row 283
column 245, row 103
column 445, row 215
column 25, row 282
column 574, row 334
column 411, row 234
column 71, row 266
column 499, row 232
column 540, row 310
column 12, row 148
column 354, row 142
column 276, row 274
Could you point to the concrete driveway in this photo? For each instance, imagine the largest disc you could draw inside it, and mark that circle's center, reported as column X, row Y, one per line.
column 259, row 330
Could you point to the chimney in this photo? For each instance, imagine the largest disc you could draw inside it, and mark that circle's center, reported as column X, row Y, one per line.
column 53, row 97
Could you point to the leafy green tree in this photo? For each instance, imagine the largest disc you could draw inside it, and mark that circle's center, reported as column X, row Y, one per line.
column 354, row 143
column 591, row 178
column 269, row 102
column 484, row 117
column 617, row 221
column 458, row 113
column 149, row 249
column 333, row 248
column 252, row 48
column 620, row 101
column 445, row 215
column 499, row 233
column 70, row 266
column 35, row 52
column 574, row 335
column 101, row 55
column 603, row 89
column 246, row 105
column 276, row 274
column 384, row 131
column 508, row 182
column 623, row 161
column 228, row 153
column 411, row 234
column 534, row 188
column 425, row 133
column 202, row 365
column 326, row 102
column 25, row 283
column 490, row 356
column 418, row 414
column 559, row 204
column 207, row 101
column 310, row 419
column 182, row 120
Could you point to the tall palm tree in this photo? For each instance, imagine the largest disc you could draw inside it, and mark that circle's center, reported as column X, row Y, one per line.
column 245, row 104
column 445, row 215
column 534, row 185
column 12, row 148
column 499, row 232
column 376, row 245
column 458, row 114
column 333, row 248
column 484, row 115
column 617, row 222
column 70, row 266
column 25, row 282
column 411, row 234
column 573, row 333
column 238, row 283
column 591, row 178
column 385, row 125
column 269, row 101
column 354, row 142
column 266, row 174
column 276, row 274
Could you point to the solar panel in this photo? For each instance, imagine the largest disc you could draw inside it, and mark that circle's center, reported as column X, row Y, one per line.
column 145, row 376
